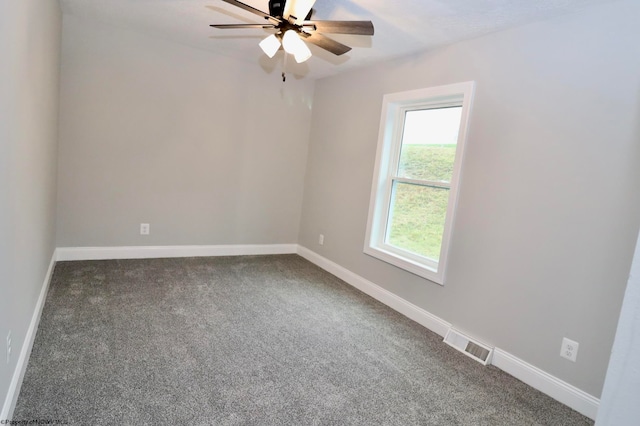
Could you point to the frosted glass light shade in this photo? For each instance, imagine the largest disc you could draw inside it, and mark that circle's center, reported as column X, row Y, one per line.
column 270, row 45
column 303, row 53
column 294, row 45
column 290, row 41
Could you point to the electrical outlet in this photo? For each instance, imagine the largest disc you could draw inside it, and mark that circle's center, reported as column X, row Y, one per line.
column 321, row 239
column 569, row 349
column 144, row 229
column 9, row 347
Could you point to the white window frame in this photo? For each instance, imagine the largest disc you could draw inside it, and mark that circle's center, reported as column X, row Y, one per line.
column 394, row 107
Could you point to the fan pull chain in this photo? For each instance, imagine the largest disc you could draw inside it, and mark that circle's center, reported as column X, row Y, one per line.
column 284, row 67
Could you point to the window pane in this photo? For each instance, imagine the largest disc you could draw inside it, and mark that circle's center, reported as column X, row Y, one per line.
column 416, row 218
column 429, row 144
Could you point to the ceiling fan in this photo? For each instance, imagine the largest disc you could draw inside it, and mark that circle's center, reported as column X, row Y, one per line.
column 291, row 19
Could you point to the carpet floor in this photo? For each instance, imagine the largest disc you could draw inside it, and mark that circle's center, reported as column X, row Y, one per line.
column 252, row 340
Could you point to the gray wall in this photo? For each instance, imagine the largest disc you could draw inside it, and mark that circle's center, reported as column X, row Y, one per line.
column 549, row 207
column 29, row 52
column 206, row 149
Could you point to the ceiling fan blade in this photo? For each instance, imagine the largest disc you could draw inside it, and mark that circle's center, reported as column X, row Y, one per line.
column 252, row 10
column 326, row 43
column 241, row 26
column 298, row 9
column 340, row 27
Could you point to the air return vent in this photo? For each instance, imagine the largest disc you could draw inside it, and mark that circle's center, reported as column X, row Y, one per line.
column 472, row 348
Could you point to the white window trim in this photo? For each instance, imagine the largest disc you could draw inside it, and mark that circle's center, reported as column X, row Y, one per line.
column 394, row 106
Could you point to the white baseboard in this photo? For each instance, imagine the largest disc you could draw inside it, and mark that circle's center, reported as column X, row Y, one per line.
column 419, row 315
column 23, row 360
column 559, row 390
column 149, row 252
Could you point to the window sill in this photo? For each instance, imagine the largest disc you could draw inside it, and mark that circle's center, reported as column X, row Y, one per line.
column 409, row 265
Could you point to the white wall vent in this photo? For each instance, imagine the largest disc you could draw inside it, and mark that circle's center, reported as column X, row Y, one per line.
column 468, row 346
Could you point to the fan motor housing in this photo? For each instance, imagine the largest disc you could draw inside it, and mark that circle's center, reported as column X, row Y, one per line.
column 276, row 8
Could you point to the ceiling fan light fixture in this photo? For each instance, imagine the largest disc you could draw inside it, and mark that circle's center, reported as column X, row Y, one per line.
column 270, row 45
column 291, row 20
column 295, row 46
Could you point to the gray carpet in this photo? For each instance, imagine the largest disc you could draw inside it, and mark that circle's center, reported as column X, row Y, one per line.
column 255, row 340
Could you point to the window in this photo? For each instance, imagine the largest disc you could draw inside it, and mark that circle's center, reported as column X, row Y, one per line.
column 413, row 198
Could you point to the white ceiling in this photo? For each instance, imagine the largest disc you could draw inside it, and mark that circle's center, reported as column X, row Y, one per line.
column 401, row 27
